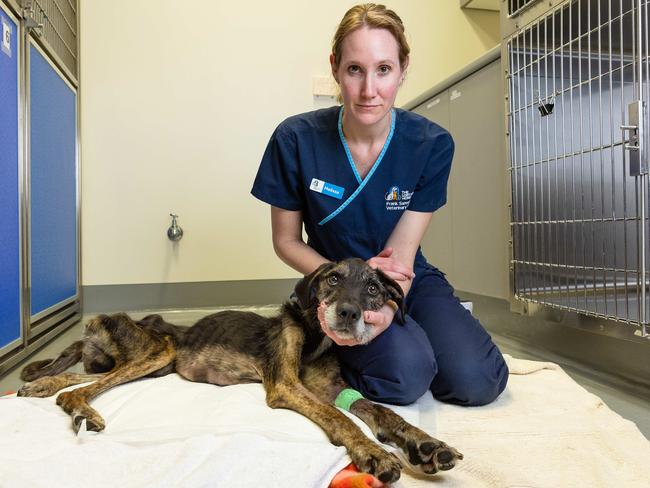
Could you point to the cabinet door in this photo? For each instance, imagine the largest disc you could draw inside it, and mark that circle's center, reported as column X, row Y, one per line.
column 10, row 282
column 479, row 211
column 53, row 186
column 436, row 243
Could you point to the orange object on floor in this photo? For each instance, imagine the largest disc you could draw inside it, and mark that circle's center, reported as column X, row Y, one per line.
column 350, row 477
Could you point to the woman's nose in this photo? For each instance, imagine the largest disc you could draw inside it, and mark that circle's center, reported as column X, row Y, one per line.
column 369, row 89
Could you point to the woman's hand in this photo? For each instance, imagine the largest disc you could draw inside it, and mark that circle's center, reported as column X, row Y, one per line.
column 379, row 320
column 390, row 266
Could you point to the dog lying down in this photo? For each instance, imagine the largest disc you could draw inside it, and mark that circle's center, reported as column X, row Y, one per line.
column 289, row 354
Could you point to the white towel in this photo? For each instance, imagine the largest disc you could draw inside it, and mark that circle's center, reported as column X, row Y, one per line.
column 165, row 432
column 544, row 431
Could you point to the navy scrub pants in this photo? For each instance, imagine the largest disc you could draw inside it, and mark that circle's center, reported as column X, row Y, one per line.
column 441, row 347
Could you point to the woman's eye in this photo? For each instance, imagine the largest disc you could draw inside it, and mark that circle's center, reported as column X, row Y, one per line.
column 332, row 280
column 373, row 290
column 353, row 69
column 384, row 69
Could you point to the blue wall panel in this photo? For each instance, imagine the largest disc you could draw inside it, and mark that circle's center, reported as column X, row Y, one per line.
column 9, row 196
column 53, row 193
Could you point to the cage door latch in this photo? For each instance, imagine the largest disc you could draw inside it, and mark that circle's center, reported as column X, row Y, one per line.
column 635, row 144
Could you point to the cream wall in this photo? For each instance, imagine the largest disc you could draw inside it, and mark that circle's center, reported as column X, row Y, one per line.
column 178, row 101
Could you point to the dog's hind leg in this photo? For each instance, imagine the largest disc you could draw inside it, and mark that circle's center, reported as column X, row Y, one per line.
column 157, row 355
column 70, row 356
column 49, row 385
column 323, row 378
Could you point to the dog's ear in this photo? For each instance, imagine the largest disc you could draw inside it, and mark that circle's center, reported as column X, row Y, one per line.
column 151, row 319
column 395, row 293
column 305, row 288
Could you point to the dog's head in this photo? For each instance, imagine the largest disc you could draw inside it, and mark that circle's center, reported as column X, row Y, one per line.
column 348, row 288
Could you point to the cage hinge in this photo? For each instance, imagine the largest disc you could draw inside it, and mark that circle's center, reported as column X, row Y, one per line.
column 31, row 24
column 635, row 145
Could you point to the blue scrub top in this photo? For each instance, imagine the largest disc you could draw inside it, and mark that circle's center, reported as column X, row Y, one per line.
column 307, row 167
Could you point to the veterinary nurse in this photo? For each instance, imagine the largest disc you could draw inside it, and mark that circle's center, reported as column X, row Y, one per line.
column 364, row 179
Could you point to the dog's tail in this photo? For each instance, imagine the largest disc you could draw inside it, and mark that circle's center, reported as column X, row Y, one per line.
column 50, row 367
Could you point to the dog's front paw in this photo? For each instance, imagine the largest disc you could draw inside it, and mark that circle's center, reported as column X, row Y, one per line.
column 40, row 388
column 425, row 451
column 370, row 458
column 445, row 457
column 432, row 455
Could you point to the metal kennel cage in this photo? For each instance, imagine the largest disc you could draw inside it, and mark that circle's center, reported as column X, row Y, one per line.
column 577, row 120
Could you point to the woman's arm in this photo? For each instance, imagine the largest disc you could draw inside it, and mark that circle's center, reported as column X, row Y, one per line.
column 404, row 242
column 397, row 259
column 286, row 229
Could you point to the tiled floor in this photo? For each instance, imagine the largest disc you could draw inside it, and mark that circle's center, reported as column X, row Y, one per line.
column 627, row 401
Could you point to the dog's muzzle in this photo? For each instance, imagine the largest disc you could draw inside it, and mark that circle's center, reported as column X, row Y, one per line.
column 346, row 321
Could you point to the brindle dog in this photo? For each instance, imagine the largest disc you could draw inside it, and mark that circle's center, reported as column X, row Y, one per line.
column 288, row 353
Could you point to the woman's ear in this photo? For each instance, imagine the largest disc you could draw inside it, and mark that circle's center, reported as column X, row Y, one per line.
column 334, row 67
column 403, row 68
column 405, row 65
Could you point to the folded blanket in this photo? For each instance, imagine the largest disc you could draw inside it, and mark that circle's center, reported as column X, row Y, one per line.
column 545, row 430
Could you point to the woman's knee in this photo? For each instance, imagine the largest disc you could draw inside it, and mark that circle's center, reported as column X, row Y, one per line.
column 473, row 383
column 399, row 372
column 398, row 380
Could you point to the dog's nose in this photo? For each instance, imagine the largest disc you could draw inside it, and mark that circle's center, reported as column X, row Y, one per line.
column 348, row 312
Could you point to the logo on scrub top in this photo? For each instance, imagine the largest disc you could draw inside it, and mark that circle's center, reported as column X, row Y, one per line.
column 317, row 185
column 393, row 194
column 397, row 199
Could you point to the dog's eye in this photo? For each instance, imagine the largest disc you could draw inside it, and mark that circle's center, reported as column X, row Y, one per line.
column 333, row 280
column 373, row 290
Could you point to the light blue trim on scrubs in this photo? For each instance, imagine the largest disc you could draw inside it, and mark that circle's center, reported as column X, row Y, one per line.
column 362, row 183
column 347, row 149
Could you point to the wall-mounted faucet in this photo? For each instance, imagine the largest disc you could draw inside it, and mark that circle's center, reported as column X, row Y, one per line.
column 175, row 233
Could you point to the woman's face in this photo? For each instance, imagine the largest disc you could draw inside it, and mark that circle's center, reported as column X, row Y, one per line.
column 368, row 73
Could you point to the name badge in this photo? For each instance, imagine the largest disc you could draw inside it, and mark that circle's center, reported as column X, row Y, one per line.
column 320, row 186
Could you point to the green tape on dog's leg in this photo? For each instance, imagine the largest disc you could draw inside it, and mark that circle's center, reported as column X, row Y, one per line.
column 346, row 398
